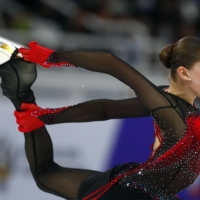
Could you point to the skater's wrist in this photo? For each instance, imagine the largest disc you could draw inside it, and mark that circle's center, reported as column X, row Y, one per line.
column 32, row 117
column 48, row 115
column 55, row 59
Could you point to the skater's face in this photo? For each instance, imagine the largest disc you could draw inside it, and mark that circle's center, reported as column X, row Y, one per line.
column 192, row 78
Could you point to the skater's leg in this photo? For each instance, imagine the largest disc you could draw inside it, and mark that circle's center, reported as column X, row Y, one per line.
column 17, row 77
column 49, row 176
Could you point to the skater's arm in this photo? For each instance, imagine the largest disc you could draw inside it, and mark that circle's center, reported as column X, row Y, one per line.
column 150, row 96
column 99, row 110
column 34, row 117
column 102, row 62
column 161, row 105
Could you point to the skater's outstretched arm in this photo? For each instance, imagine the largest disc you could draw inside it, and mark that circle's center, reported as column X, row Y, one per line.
column 147, row 92
column 95, row 110
column 99, row 110
column 161, row 104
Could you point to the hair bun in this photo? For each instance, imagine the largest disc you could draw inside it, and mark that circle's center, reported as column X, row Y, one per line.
column 165, row 55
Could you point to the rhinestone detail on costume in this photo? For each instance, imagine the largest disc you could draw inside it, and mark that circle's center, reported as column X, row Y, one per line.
column 46, row 115
column 54, row 61
column 170, row 169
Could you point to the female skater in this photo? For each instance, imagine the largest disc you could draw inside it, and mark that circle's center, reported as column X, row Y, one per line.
column 175, row 160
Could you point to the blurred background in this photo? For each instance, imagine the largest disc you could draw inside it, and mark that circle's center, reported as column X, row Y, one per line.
column 135, row 31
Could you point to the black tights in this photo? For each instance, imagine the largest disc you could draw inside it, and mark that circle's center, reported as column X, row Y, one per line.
column 49, row 176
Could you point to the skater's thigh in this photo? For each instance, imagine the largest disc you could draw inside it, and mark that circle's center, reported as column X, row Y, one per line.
column 66, row 181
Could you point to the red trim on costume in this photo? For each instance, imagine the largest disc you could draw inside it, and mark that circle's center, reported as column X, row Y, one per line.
column 177, row 153
column 58, row 64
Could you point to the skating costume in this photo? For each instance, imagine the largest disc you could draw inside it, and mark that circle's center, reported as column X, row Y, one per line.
column 173, row 166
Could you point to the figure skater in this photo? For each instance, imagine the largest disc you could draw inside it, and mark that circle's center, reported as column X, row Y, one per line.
column 174, row 163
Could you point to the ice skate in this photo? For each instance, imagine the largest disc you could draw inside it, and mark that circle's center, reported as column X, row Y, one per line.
column 17, row 75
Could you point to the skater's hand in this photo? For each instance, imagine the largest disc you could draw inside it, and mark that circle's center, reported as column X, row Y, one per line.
column 36, row 54
column 26, row 121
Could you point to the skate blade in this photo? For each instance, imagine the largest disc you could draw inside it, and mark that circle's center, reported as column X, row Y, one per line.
column 5, row 53
column 10, row 45
column 4, row 56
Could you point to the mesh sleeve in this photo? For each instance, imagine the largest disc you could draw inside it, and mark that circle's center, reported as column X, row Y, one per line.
column 99, row 110
column 150, row 96
column 107, row 63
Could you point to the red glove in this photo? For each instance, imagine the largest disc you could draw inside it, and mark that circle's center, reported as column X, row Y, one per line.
column 25, row 120
column 43, row 56
column 34, row 117
column 36, row 53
